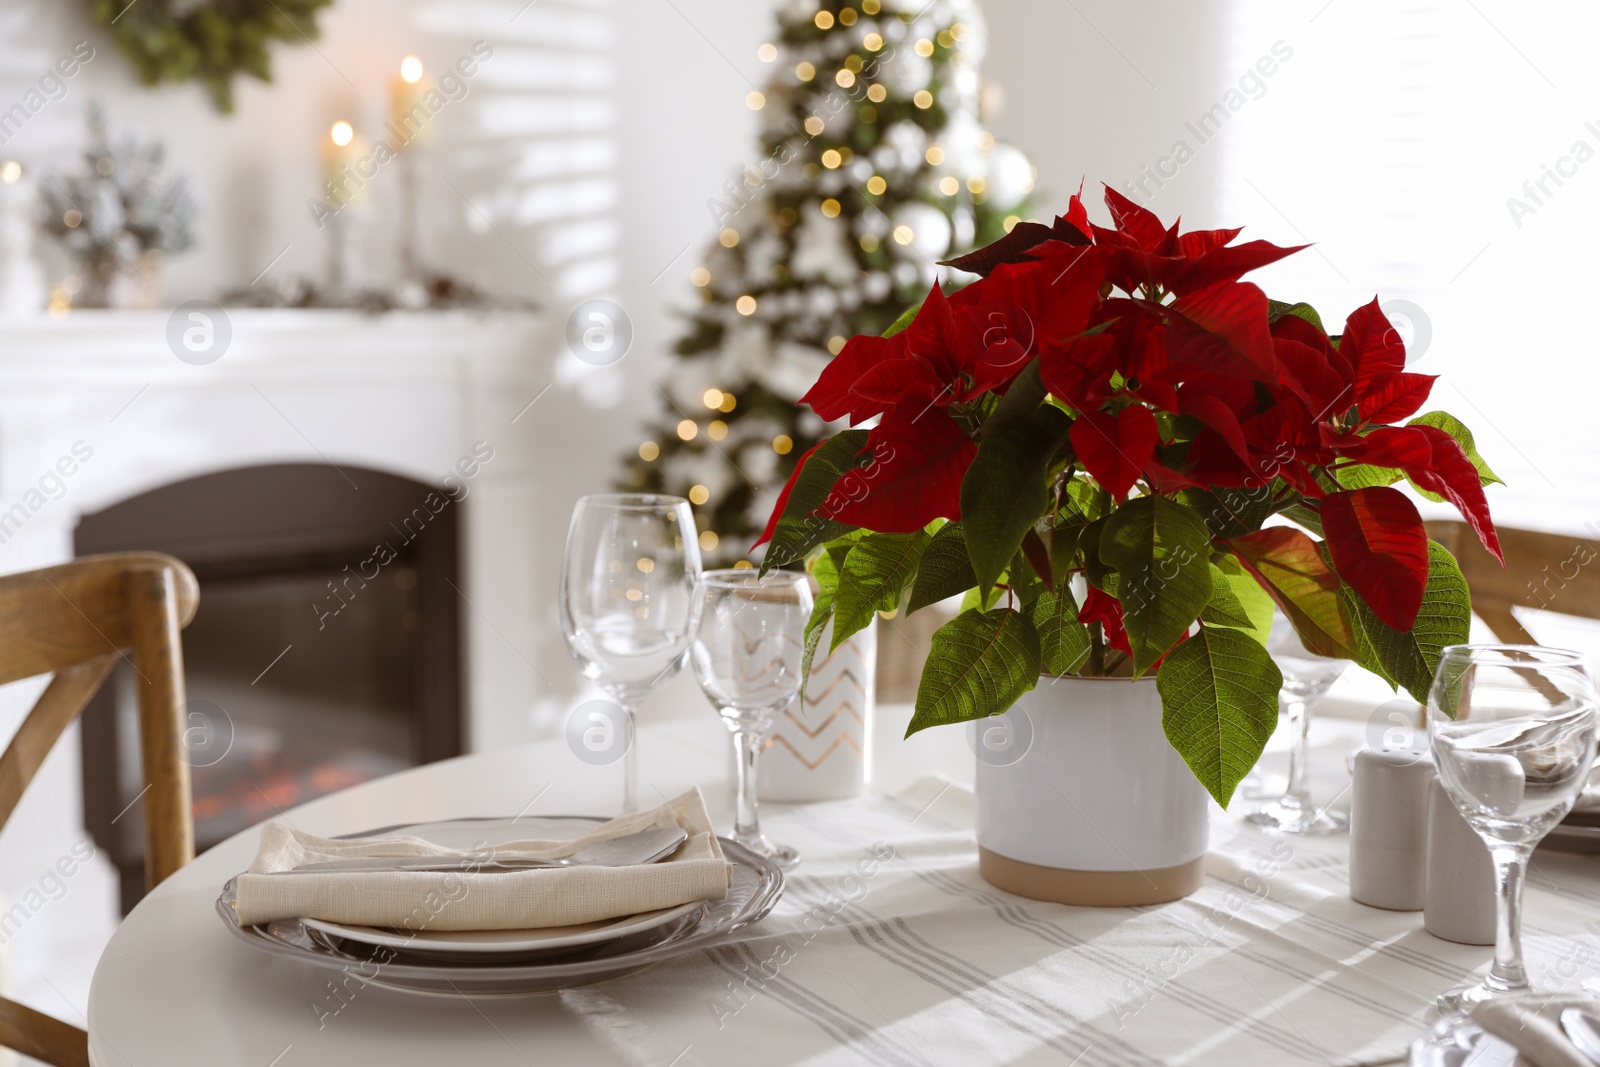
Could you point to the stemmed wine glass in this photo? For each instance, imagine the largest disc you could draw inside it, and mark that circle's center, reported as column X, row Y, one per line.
column 628, row 604
column 1512, row 729
column 746, row 656
column 1306, row 678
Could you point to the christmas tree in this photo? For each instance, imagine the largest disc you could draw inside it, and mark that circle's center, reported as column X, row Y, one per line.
column 874, row 167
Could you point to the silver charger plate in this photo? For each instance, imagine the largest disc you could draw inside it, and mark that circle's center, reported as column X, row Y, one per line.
column 757, row 884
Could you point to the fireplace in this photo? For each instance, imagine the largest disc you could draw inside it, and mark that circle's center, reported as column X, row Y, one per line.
column 325, row 652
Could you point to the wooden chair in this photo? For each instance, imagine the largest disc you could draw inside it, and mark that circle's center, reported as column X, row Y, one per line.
column 74, row 621
column 1554, row 572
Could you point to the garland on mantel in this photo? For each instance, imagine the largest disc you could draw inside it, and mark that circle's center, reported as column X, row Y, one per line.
column 207, row 40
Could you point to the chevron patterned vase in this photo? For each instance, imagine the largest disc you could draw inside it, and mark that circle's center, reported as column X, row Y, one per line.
column 820, row 751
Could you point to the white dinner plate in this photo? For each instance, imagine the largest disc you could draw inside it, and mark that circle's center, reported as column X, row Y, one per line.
column 469, row 945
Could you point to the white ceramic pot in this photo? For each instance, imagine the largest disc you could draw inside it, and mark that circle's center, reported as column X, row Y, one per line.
column 1081, row 799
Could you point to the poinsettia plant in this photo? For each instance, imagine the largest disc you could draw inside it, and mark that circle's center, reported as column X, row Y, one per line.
column 1088, row 442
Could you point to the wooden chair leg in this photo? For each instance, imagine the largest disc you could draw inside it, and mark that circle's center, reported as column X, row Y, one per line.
column 157, row 656
column 41, row 1036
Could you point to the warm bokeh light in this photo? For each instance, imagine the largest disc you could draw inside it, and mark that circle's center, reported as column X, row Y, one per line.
column 649, row 451
column 831, row 208
column 755, row 101
column 342, row 133
column 804, row 71
column 699, row 494
column 712, row 398
column 728, row 403
column 824, row 20
column 411, row 69
column 835, row 344
column 831, row 159
column 708, row 540
column 877, row 94
column 700, row 276
column 903, row 235
column 949, row 185
column 923, row 99
column 876, row 185
column 872, row 42
column 10, row 171
column 870, row 242
column 767, row 53
column 745, row 305
column 782, row 444
column 729, row 237
column 716, row 429
column 934, row 155
column 687, row 429
column 844, row 79
column 924, row 47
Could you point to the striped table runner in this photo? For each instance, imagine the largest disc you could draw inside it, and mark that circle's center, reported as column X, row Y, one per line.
column 889, row 950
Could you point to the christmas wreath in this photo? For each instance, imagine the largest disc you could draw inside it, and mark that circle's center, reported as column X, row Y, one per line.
column 207, row 40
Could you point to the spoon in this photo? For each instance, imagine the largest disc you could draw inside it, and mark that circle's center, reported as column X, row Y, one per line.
column 1583, row 1030
column 645, row 846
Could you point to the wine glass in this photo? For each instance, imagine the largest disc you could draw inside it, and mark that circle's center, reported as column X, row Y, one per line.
column 746, row 656
column 628, row 604
column 1306, row 677
column 1512, row 729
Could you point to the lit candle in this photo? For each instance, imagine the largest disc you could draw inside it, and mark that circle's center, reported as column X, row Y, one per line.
column 408, row 116
column 340, row 156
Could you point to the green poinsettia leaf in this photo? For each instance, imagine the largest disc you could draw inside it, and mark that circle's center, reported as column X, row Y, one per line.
column 1237, row 600
column 1277, row 309
column 872, row 579
column 1160, row 551
column 800, row 529
column 1231, row 512
column 979, row 665
column 903, row 321
column 1005, row 490
column 944, row 571
column 1367, row 476
column 825, row 569
column 1409, row 658
column 1063, row 640
column 1219, row 704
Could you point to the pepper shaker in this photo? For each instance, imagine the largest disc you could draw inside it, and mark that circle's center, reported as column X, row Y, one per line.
column 1459, row 902
column 1389, row 828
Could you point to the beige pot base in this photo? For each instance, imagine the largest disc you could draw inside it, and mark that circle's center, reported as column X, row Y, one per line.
column 1092, row 889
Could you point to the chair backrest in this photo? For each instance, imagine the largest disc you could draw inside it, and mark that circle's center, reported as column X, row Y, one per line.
column 74, row 621
column 1552, row 572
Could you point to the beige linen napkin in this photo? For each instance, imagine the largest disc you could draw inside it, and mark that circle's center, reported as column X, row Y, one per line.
column 1532, row 1025
column 465, row 900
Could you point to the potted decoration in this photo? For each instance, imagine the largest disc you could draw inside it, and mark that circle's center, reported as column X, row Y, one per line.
column 121, row 217
column 1122, row 457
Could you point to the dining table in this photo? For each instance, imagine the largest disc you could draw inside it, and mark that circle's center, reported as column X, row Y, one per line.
column 887, row 948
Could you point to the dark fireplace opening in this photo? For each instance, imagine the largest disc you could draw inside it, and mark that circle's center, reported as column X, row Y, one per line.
column 325, row 651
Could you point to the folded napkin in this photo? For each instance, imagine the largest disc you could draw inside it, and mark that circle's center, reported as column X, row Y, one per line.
column 1532, row 1025
column 465, row 900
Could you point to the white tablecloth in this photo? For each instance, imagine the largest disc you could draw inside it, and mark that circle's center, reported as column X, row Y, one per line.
column 888, row 948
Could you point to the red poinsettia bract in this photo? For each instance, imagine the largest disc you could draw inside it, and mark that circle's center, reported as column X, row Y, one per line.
column 1175, row 373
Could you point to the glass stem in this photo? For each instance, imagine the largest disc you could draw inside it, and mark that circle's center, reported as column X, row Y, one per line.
column 1511, row 870
column 746, row 821
column 630, row 764
column 1299, row 787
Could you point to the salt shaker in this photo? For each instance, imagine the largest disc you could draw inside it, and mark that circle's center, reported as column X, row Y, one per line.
column 1459, row 899
column 1389, row 828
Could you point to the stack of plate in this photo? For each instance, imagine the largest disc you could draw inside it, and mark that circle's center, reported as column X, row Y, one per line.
column 517, row 962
